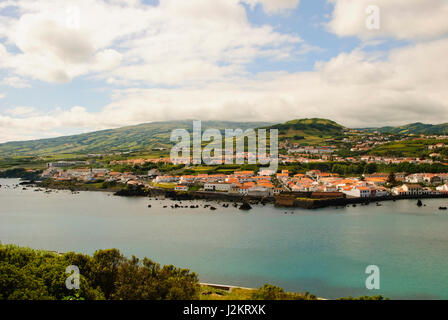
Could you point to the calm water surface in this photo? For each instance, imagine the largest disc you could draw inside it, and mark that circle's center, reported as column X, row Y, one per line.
column 323, row 251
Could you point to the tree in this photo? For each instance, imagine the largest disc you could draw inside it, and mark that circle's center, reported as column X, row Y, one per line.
column 149, row 281
column 105, row 264
column 17, row 284
column 391, row 179
column 35, row 275
column 370, row 168
column 270, row 292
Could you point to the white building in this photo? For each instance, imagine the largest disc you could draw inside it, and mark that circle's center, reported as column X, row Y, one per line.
column 382, row 192
column 358, row 192
column 225, row 187
column 267, row 172
column 260, row 191
column 409, row 189
column 165, row 179
column 414, row 178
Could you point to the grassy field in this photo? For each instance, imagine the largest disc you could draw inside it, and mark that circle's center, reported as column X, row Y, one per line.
column 411, row 148
column 165, row 185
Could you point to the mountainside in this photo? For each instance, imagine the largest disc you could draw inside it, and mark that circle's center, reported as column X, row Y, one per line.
column 142, row 137
column 413, row 128
column 309, row 131
column 148, row 136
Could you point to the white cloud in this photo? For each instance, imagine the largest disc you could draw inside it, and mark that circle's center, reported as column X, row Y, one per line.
column 2, row 95
column 275, row 6
column 21, row 111
column 356, row 89
column 15, row 82
column 400, row 19
column 173, row 43
column 200, row 50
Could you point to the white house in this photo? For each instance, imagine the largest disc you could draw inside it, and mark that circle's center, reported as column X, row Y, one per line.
column 165, row 179
column 414, row 178
column 260, row 191
column 217, row 186
column 358, row 192
column 409, row 189
column 382, row 192
column 267, row 172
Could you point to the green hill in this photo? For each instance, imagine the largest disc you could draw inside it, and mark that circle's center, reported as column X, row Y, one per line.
column 413, row 128
column 144, row 137
column 148, row 136
column 309, row 131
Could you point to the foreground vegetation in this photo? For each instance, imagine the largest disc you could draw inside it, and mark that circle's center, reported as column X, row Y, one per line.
column 267, row 292
column 27, row 274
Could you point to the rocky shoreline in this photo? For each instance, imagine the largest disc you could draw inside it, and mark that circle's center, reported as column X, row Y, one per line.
column 287, row 201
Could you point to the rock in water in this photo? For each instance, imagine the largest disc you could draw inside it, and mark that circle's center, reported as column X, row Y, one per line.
column 245, row 206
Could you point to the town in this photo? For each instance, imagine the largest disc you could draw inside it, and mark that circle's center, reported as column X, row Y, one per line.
column 263, row 183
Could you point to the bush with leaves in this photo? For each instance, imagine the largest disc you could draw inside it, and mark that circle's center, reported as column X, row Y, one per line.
column 270, row 292
column 27, row 274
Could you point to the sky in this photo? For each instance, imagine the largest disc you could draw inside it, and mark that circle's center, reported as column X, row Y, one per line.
column 74, row 66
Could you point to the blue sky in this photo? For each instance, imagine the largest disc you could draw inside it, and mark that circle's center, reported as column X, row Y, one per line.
column 76, row 66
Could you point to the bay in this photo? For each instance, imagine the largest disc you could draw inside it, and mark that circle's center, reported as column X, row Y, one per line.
column 323, row 251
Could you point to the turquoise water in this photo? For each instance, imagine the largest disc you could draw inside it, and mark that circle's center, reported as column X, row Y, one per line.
column 324, row 251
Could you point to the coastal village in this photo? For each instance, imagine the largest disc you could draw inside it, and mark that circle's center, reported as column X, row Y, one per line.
column 328, row 169
column 267, row 183
column 263, row 183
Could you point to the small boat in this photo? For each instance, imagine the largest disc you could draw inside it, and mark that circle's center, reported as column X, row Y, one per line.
column 443, row 208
